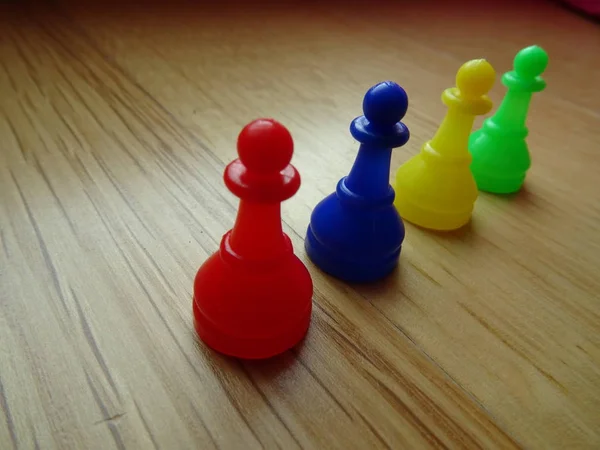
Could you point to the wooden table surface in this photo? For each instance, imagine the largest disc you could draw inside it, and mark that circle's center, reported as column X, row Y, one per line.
column 116, row 124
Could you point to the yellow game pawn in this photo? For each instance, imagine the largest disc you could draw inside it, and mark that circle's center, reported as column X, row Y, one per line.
column 435, row 189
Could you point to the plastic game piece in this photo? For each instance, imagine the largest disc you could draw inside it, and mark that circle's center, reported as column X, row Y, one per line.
column 435, row 188
column 500, row 153
column 355, row 233
column 253, row 297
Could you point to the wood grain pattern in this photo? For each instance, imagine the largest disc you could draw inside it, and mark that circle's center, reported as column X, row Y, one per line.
column 116, row 124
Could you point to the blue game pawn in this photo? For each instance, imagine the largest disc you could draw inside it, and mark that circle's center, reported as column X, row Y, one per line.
column 355, row 234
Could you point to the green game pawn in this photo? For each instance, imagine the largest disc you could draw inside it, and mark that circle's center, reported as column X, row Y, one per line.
column 499, row 148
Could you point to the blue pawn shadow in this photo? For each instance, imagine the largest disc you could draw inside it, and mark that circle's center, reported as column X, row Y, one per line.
column 355, row 234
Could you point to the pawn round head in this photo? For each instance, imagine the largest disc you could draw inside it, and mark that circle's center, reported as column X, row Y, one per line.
column 385, row 104
column 475, row 78
column 264, row 145
column 531, row 62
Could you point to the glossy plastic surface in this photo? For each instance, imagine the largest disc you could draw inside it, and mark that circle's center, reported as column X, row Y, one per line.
column 435, row 188
column 253, row 297
column 355, row 233
column 500, row 153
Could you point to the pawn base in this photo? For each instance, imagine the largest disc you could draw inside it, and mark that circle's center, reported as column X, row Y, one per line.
column 252, row 309
column 355, row 239
column 500, row 158
column 248, row 348
column 497, row 185
column 346, row 269
column 433, row 220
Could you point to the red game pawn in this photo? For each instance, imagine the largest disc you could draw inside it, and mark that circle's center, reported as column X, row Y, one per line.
column 253, row 297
